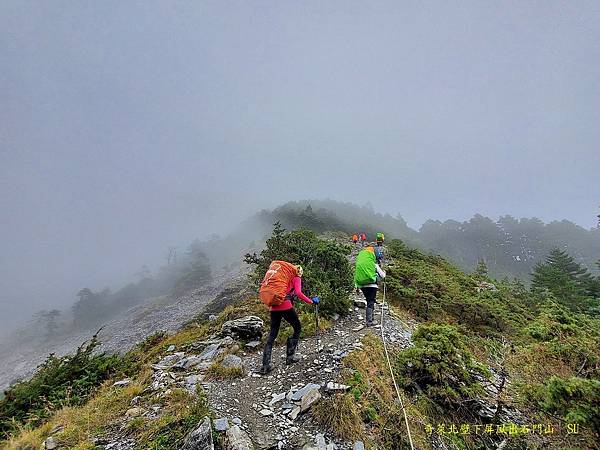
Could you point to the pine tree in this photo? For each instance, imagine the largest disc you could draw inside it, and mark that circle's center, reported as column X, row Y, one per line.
column 481, row 269
column 564, row 277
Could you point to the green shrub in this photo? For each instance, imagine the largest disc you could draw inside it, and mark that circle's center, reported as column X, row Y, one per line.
column 440, row 365
column 575, row 399
column 59, row 381
column 327, row 272
column 433, row 289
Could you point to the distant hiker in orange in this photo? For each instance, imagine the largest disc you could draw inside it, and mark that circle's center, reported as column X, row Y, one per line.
column 363, row 237
column 282, row 282
column 355, row 238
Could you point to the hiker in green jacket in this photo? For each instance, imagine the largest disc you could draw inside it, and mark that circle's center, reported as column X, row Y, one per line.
column 366, row 274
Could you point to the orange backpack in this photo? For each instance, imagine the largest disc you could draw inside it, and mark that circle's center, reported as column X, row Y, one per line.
column 274, row 286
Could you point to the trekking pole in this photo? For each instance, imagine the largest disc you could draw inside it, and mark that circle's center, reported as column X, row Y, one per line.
column 318, row 327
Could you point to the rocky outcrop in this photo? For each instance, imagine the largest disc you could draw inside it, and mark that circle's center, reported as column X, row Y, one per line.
column 246, row 328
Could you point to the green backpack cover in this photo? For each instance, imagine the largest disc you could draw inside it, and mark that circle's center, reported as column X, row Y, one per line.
column 364, row 272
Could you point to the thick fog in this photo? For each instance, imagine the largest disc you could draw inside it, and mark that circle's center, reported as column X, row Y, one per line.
column 128, row 127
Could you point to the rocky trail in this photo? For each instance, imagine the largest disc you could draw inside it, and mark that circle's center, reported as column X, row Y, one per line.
column 273, row 408
column 255, row 411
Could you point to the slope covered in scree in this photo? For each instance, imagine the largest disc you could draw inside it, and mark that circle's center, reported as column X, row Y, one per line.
column 479, row 363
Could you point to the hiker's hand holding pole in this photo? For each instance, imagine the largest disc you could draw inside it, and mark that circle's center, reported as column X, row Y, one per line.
column 316, row 301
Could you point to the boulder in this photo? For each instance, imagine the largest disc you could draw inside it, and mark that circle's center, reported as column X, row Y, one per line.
column 359, row 445
column 200, row 438
column 237, row 439
column 249, row 327
column 121, row 383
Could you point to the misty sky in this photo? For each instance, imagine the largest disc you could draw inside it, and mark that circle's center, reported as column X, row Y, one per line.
column 129, row 126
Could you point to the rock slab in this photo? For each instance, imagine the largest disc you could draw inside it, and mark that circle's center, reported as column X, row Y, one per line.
column 237, row 439
column 200, row 438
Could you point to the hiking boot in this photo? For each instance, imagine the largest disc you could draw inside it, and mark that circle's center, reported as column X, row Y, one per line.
column 266, row 369
column 369, row 317
column 292, row 356
column 266, row 362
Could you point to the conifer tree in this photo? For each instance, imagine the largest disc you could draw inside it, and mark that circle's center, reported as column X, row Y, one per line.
column 481, row 269
column 564, row 277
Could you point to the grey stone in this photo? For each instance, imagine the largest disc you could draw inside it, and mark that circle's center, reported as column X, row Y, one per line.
column 120, row 383
column 249, row 327
column 193, row 379
column 297, row 396
column 309, row 399
column 485, row 286
column 200, row 438
column 50, row 444
column 237, row 421
column 221, row 424
column 253, row 344
column 170, row 348
column 360, row 303
column 331, row 386
column 187, row 363
column 169, row 360
column 294, row 413
column 212, row 317
column 209, row 352
column 237, row 439
column 231, row 361
column 359, row 445
column 320, row 440
column 277, row 398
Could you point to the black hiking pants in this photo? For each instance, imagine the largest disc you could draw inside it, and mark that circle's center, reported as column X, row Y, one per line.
column 290, row 317
column 370, row 293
